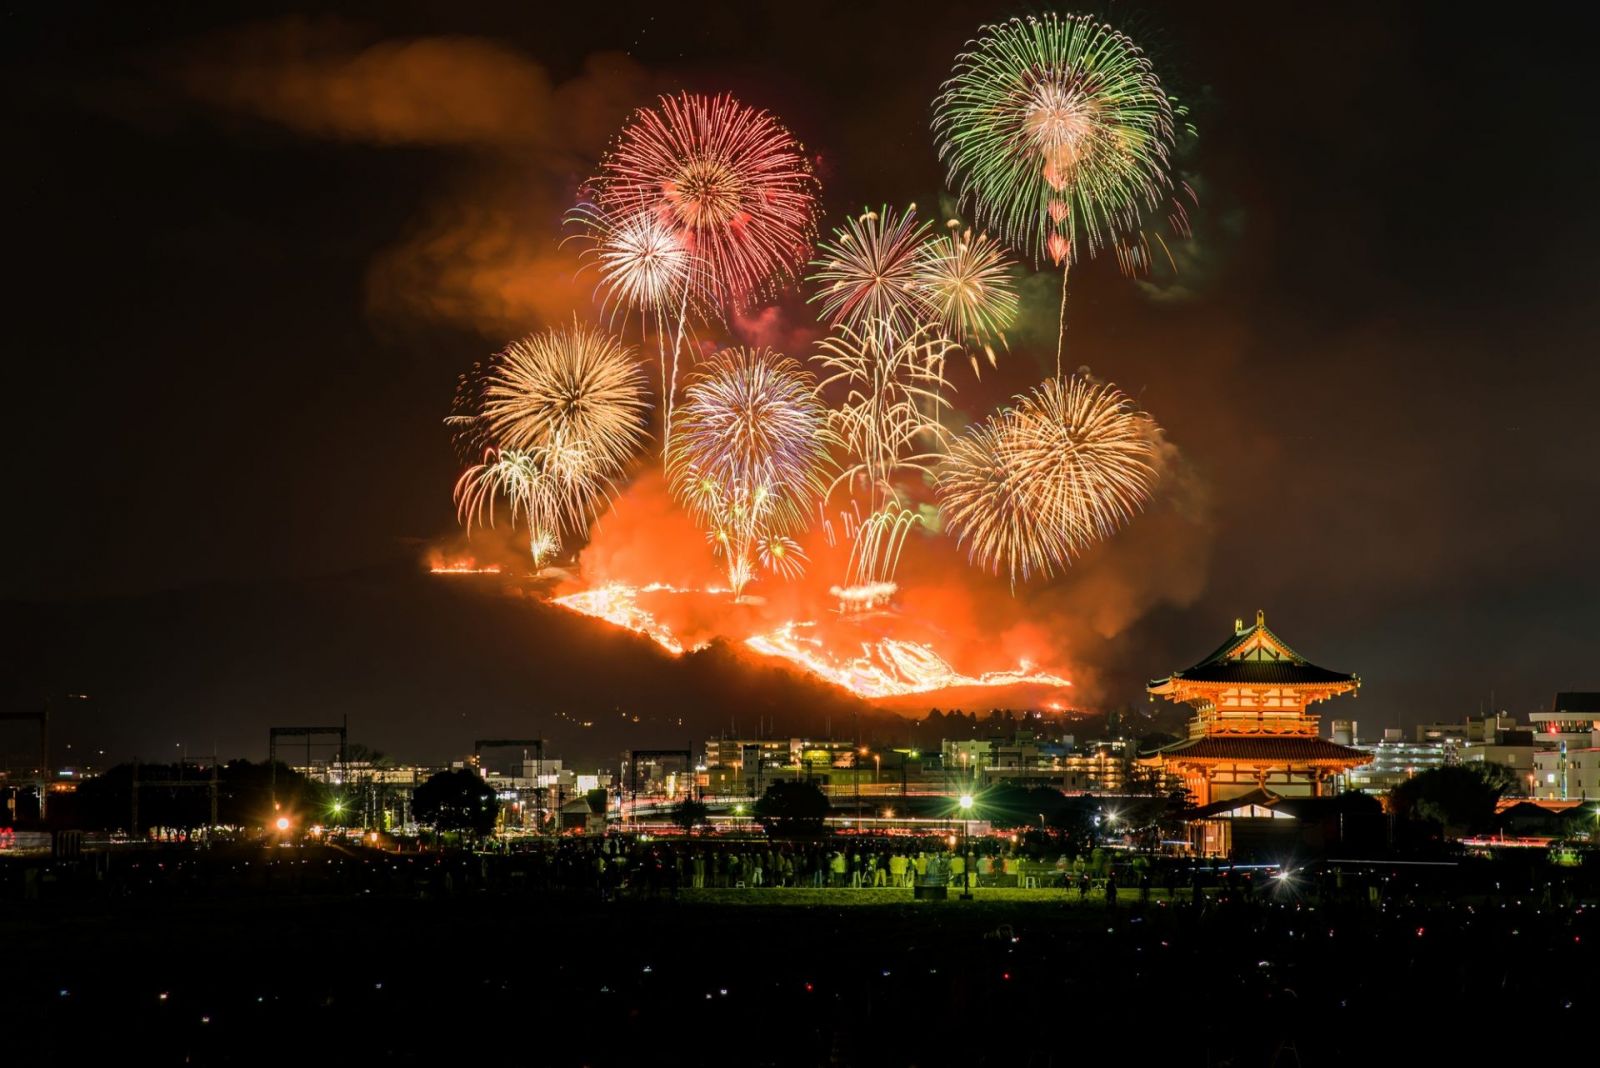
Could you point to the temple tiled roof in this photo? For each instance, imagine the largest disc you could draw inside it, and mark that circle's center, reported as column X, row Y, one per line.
column 1256, row 656
column 1264, row 748
column 1258, row 672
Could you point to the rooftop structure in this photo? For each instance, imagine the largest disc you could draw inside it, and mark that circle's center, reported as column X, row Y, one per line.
column 1251, row 729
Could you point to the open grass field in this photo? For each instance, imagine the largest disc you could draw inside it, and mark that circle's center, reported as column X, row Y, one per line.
column 771, row 977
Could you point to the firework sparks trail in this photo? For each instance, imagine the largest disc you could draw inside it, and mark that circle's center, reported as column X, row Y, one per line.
column 749, row 457
column 891, row 385
column 1035, row 485
column 549, row 487
column 1060, row 133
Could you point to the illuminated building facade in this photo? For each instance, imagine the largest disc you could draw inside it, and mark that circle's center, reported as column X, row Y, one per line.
column 1251, row 730
column 1396, row 759
column 1574, row 719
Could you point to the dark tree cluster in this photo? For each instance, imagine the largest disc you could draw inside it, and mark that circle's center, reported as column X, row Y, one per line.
column 456, row 800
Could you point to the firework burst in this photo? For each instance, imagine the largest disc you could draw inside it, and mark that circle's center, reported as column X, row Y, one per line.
column 1058, row 130
column 645, row 265
column 642, row 261
column 869, row 273
column 728, row 180
column 984, row 500
column 1056, row 127
column 1033, row 486
column 749, row 458
column 966, row 280
column 575, row 385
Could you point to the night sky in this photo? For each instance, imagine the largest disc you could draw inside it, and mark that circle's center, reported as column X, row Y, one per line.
column 251, row 249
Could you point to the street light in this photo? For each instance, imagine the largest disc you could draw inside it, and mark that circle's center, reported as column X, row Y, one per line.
column 966, row 853
column 856, row 780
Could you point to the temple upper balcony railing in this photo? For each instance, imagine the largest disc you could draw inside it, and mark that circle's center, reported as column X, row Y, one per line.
column 1224, row 721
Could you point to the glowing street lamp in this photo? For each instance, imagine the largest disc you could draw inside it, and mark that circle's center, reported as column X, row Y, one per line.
column 965, row 804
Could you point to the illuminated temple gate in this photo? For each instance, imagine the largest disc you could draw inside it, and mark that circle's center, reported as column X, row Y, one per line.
column 1251, row 730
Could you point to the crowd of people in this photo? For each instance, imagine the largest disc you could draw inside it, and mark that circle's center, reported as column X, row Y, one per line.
column 653, row 865
column 618, row 867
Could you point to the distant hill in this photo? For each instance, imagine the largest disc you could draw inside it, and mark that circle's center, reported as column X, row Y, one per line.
column 420, row 666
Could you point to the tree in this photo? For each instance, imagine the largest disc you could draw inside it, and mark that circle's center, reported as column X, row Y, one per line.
column 455, row 800
column 689, row 813
column 1460, row 798
column 792, row 809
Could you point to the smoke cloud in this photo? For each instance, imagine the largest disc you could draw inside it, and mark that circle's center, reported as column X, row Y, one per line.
column 319, row 77
column 487, row 255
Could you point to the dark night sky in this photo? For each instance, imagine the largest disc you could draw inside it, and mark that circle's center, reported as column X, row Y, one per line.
column 251, row 249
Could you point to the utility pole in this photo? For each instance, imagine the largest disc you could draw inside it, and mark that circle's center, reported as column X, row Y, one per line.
column 855, row 764
column 42, row 717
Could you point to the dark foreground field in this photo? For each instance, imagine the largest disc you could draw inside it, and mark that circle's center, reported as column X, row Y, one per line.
column 479, row 975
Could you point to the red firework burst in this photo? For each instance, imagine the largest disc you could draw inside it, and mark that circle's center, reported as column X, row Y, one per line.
column 730, row 179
